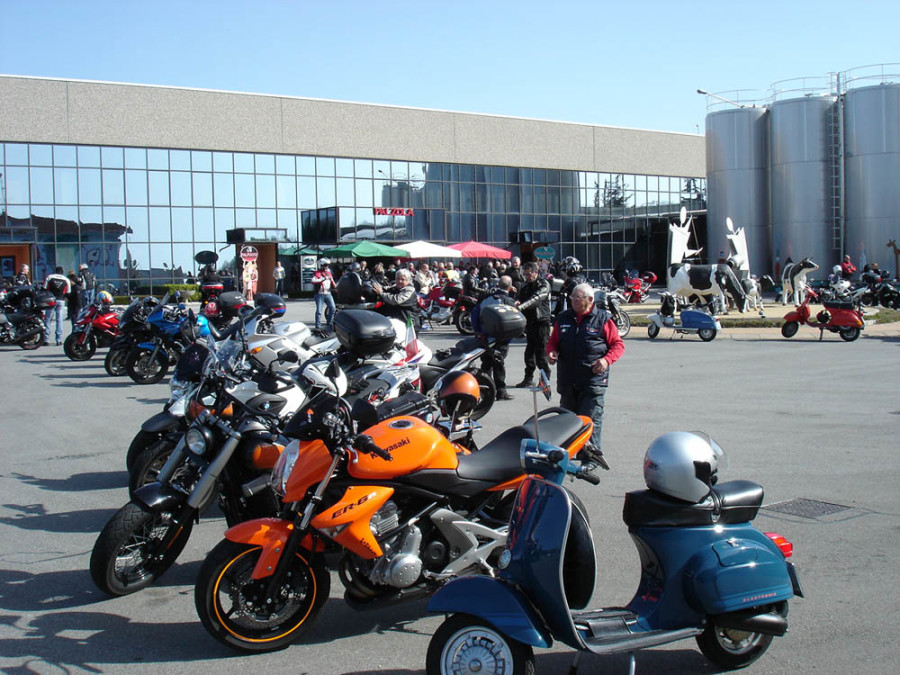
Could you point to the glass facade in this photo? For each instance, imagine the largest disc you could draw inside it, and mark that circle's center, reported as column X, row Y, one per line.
column 139, row 215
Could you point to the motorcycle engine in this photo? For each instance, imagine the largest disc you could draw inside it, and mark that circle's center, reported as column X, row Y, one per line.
column 400, row 566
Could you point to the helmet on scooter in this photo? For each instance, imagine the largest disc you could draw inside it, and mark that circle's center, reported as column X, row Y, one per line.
column 459, row 393
column 836, row 269
column 682, row 465
column 104, row 298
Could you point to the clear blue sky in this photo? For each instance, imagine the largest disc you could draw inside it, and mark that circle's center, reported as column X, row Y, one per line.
column 631, row 63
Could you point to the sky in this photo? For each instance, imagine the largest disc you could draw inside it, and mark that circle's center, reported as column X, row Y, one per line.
column 632, row 64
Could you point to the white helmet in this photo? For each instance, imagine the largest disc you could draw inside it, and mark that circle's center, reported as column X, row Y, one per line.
column 836, row 269
column 683, row 465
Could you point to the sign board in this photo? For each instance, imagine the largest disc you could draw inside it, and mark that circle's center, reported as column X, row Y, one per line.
column 392, row 212
column 545, row 253
column 249, row 253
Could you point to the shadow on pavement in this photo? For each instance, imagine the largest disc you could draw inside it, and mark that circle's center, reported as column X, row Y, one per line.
column 79, row 482
column 33, row 518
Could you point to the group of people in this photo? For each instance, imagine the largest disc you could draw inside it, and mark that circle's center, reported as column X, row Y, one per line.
column 583, row 342
column 72, row 292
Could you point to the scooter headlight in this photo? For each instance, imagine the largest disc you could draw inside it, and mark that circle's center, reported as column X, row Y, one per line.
column 198, row 440
column 283, row 467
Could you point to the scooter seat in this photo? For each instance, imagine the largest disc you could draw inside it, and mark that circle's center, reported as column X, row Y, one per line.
column 739, row 501
column 837, row 304
column 498, row 461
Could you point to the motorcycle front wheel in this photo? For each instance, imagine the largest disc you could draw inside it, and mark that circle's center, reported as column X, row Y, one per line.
column 114, row 363
column 123, row 561
column 623, row 322
column 464, row 643
column 34, row 341
column 143, row 368
column 849, row 334
column 730, row 648
column 79, row 348
column 789, row 329
column 463, row 322
column 232, row 607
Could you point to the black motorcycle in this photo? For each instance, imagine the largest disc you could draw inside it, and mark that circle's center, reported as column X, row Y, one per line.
column 22, row 317
column 133, row 329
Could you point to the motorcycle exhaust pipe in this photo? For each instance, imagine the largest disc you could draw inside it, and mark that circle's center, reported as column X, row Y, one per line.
column 28, row 334
column 753, row 622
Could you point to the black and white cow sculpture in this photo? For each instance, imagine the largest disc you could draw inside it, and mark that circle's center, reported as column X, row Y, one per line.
column 793, row 279
column 705, row 281
column 754, row 287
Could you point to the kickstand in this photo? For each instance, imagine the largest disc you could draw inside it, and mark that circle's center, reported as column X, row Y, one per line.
column 631, row 663
column 573, row 669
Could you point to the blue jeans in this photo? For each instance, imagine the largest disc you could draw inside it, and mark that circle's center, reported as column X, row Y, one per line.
column 87, row 297
column 325, row 300
column 58, row 313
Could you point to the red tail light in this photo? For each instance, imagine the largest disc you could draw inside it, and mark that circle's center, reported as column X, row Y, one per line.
column 786, row 547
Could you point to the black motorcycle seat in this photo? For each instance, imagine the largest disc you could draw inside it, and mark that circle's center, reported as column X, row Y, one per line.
column 837, row 304
column 499, row 461
column 445, row 358
column 739, row 502
column 318, row 338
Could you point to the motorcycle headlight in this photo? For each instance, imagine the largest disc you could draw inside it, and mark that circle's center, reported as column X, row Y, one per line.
column 283, row 468
column 198, row 440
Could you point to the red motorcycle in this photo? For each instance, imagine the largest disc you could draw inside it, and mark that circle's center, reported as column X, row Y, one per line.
column 96, row 326
column 437, row 306
column 843, row 318
column 637, row 289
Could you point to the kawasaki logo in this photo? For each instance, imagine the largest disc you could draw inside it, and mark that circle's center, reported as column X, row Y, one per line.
column 398, row 444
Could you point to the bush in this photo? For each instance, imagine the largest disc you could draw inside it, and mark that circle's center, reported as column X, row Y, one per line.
column 187, row 290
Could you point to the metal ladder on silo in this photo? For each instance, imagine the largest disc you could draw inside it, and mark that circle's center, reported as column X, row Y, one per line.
column 836, row 186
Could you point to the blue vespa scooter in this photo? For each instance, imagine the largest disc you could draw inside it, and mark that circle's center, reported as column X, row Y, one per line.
column 707, row 573
column 689, row 320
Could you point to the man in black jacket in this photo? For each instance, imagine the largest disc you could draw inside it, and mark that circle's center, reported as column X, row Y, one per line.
column 494, row 359
column 534, row 303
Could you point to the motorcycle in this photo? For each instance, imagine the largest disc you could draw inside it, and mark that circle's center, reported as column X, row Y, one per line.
column 96, row 326
column 844, row 318
column 637, row 289
column 612, row 301
column 462, row 314
column 22, row 319
column 132, row 330
column 437, row 306
column 170, row 333
column 879, row 290
column 706, row 572
column 402, row 508
column 690, row 320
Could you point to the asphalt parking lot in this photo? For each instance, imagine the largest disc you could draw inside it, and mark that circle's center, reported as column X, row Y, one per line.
column 816, row 423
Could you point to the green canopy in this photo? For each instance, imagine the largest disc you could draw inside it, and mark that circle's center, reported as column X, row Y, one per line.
column 302, row 250
column 366, row 249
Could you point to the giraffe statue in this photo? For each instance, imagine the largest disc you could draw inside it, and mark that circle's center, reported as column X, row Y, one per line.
column 893, row 245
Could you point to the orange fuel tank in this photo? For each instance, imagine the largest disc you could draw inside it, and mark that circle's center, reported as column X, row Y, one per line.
column 413, row 444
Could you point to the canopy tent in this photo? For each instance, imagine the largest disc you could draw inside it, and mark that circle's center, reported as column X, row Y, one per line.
column 302, row 250
column 475, row 249
column 365, row 249
column 425, row 249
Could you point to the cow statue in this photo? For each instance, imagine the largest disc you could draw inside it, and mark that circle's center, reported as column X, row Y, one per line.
column 753, row 287
column 793, row 279
column 705, row 281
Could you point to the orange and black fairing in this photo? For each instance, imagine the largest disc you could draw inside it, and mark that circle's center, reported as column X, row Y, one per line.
column 312, row 465
column 347, row 520
column 414, row 445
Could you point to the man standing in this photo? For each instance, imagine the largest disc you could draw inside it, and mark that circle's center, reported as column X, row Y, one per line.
column 494, row 359
column 22, row 277
column 58, row 284
column 534, row 303
column 279, row 273
column 586, row 342
column 516, row 273
column 88, row 281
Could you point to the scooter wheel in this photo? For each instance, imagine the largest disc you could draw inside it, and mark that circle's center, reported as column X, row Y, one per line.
column 652, row 331
column 730, row 648
column 707, row 334
column 464, row 643
column 849, row 334
column 789, row 329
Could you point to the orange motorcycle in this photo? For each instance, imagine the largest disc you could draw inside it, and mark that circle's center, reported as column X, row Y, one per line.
column 397, row 512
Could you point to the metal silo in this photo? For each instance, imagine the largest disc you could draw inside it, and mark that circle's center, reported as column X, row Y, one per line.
column 801, row 134
column 737, row 144
column 872, row 173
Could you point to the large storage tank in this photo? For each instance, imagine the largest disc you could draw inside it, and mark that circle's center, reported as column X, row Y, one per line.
column 872, row 173
column 737, row 143
column 801, row 167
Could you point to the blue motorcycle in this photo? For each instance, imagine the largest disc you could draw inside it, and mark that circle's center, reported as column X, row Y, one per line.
column 706, row 572
column 170, row 333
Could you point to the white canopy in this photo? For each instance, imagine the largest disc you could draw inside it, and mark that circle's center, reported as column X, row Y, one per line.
column 425, row 249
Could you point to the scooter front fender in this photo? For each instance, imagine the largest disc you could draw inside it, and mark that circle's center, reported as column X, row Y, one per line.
column 794, row 316
column 497, row 603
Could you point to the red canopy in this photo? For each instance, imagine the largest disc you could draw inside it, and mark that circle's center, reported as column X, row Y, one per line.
column 475, row 249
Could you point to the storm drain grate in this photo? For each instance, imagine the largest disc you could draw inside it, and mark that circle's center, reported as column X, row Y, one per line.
column 806, row 508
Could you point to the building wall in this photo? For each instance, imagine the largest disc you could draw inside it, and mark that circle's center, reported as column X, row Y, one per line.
column 39, row 110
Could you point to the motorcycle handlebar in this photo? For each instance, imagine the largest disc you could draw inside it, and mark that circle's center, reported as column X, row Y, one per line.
column 364, row 443
column 584, row 473
column 236, row 326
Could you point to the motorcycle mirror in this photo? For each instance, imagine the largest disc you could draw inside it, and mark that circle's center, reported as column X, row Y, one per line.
column 288, row 356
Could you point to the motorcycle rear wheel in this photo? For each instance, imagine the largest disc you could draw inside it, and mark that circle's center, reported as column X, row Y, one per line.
column 464, row 643
column 707, row 334
column 488, row 394
column 34, row 341
column 230, row 606
column 463, row 323
column 142, row 368
column 120, row 564
column 730, row 648
column 789, row 329
column 114, row 363
column 80, row 351
column 849, row 334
